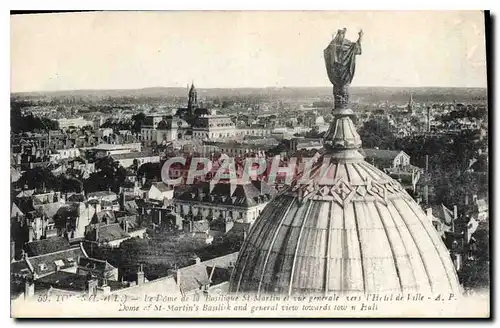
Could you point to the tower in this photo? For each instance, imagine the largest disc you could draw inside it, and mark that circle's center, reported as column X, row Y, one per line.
column 192, row 100
column 409, row 107
column 428, row 119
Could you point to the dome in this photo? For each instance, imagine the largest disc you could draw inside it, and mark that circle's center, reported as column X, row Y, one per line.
column 346, row 228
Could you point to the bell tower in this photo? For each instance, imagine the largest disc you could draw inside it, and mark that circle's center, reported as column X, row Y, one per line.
column 192, row 100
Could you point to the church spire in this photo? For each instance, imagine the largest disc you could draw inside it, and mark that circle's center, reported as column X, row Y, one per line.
column 410, row 104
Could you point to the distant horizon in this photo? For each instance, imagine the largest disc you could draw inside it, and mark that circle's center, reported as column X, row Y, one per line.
column 131, row 50
column 244, row 87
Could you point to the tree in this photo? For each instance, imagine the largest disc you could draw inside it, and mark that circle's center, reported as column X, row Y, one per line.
column 109, row 176
column 137, row 122
column 70, row 184
column 377, row 133
column 27, row 123
column 38, row 178
column 151, row 171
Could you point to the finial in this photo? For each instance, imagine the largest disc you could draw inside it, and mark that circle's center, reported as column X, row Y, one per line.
column 342, row 139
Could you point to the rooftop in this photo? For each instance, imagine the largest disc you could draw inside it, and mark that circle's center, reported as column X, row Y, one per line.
column 47, row 246
column 134, row 154
column 243, row 195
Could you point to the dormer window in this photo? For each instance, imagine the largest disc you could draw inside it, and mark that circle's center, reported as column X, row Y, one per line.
column 59, row 263
column 42, row 266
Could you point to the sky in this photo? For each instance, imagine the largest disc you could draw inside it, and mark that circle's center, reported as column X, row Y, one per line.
column 128, row 50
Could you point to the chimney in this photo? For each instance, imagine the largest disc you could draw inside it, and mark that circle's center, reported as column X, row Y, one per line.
column 106, row 290
column 455, row 215
column 31, row 233
column 178, row 276
column 29, row 289
column 140, row 276
column 212, row 185
column 429, row 213
column 92, row 287
column 12, row 251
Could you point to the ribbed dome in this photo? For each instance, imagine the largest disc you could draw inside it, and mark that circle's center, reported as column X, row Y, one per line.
column 348, row 227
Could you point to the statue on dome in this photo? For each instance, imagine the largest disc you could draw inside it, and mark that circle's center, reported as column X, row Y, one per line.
column 340, row 60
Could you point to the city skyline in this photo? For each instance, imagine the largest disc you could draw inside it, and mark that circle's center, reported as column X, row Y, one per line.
column 254, row 53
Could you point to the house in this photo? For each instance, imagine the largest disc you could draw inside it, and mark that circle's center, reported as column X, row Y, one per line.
column 48, row 263
column 104, row 150
column 165, row 219
column 65, row 272
column 131, row 224
column 210, row 276
column 160, row 191
column 383, row 158
column 198, row 228
column 106, row 235
column 64, row 153
column 242, row 201
column 76, row 217
column 15, row 175
column 128, row 159
column 99, row 269
column 103, row 196
column 407, row 175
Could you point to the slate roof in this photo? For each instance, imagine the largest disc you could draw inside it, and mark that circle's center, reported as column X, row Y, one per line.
column 20, row 268
column 25, row 204
column 170, row 122
column 14, row 174
column 380, row 153
column 482, row 205
column 239, row 228
column 26, row 193
column 45, row 264
column 69, row 210
column 99, row 194
column 131, row 220
column 443, row 213
column 106, row 217
column 192, row 278
column 161, row 186
column 131, row 207
column 108, row 233
column 50, row 209
column 95, row 264
column 15, row 211
column 63, row 280
column 244, row 195
column 47, row 246
column 133, row 155
column 77, row 198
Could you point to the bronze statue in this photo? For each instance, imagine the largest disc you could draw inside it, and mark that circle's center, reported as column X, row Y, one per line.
column 340, row 60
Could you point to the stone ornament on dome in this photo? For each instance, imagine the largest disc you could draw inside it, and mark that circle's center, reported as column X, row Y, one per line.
column 340, row 60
